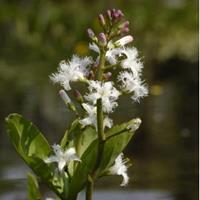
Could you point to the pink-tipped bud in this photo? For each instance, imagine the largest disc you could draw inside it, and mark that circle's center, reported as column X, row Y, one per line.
column 78, row 96
column 109, row 15
column 117, row 14
column 125, row 24
column 102, row 20
column 102, row 39
column 124, row 30
column 64, row 97
column 90, row 33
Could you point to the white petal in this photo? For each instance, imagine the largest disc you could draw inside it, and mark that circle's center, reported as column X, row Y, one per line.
column 94, row 47
column 51, row 159
column 125, row 179
column 70, row 155
column 61, row 164
column 57, row 150
column 108, row 122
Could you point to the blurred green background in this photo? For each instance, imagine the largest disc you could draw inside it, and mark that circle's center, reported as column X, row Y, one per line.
column 36, row 34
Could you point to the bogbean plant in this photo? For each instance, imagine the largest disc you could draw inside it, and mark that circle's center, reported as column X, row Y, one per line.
column 92, row 146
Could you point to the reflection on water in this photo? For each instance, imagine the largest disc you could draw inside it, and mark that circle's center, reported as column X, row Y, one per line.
column 17, row 191
column 150, row 180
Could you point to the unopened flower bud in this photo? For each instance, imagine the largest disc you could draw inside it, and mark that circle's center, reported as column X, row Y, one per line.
column 107, row 76
column 125, row 24
column 109, row 15
column 90, row 33
column 67, row 100
column 102, row 20
column 117, row 14
column 135, row 124
column 102, row 39
column 124, row 30
column 123, row 41
column 64, row 97
column 78, row 96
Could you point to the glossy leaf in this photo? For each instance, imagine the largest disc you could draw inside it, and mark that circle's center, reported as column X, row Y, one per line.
column 118, row 139
column 33, row 188
column 33, row 148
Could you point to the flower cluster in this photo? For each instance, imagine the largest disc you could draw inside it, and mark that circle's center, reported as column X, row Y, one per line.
column 112, row 52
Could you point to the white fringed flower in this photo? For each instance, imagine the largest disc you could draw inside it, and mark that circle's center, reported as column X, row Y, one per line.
column 74, row 70
column 105, row 91
column 140, row 91
column 62, row 157
column 91, row 118
column 119, row 168
column 132, row 83
column 111, row 53
column 132, row 62
column 92, row 115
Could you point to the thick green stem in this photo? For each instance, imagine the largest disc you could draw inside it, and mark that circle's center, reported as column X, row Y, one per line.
column 101, row 135
column 100, row 117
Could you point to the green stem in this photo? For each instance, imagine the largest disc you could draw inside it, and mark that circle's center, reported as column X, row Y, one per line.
column 101, row 66
column 100, row 118
column 89, row 188
column 101, row 134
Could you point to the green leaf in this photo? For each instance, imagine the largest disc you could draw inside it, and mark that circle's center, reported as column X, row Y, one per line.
column 26, row 138
column 83, row 169
column 64, row 139
column 33, row 148
column 29, row 143
column 83, row 141
column 74, row 130
column 118, row 129
column 118, row 139
column 33, row 188
column 78, row 137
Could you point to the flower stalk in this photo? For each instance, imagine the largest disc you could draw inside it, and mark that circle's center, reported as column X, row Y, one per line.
column 100, row 131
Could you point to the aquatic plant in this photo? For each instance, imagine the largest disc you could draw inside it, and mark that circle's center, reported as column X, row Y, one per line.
column 92, row 146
